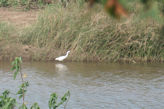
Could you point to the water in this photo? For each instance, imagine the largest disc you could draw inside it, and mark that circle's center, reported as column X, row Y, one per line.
column 92, row 86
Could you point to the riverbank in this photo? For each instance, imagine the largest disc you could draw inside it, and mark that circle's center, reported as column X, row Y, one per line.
column 90, row 35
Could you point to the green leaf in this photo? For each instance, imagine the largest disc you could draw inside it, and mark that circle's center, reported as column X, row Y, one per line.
column 20, row 96
column 35, row 106
column 7, row 102
column 64, row 98
column 6, row 93
column 16, row 66
column 53, row 100
column 23, row 106
column 25, row 84
column 15, row 74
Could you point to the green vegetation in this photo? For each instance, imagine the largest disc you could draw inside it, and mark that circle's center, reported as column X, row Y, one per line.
column 6, row 31
column 7, row 102
column 92, row 35
column 26, row 4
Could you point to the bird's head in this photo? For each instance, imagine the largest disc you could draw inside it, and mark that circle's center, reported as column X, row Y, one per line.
column 68, row 51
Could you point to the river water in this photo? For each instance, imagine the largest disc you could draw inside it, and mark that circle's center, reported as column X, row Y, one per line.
column 92, row 85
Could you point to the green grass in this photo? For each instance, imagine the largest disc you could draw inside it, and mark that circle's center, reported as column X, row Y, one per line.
column 9, row 42
column 24, row 4
column 92, row 35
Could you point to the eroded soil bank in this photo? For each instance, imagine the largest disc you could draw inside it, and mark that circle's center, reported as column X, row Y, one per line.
column 17, row 17
column 18, row 20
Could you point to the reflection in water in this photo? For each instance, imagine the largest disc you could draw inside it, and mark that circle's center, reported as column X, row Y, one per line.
column 92, row 86
column 61, row 71
column 61, row 67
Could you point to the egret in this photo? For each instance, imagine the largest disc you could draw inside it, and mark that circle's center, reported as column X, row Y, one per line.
column 61, row 58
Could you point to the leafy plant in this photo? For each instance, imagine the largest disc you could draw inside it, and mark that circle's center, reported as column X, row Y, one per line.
column 4, row 3
column 53, row 100
column 23, row 89
column 7, row 102
column 16, row 66
column 35, row 106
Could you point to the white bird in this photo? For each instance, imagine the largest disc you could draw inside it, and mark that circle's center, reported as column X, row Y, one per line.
column 61, row 58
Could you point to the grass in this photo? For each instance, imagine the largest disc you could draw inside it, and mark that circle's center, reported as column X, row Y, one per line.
column 92, row 35
column 5, row 31
column 24, row 4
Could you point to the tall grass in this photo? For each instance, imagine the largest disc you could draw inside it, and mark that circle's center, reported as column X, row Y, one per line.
column 92, row 35
column 6, row 30
column 9, row 42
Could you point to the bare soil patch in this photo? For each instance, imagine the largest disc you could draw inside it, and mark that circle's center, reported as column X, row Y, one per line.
column 10, row 48
column 18, row 17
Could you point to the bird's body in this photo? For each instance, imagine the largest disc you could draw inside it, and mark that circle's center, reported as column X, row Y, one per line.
column 61, row 58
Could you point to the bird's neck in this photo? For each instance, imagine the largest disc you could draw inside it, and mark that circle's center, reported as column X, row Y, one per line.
column 66, row 54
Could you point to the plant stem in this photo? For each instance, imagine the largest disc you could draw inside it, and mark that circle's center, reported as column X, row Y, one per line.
column 22, row 82
column 66, row 102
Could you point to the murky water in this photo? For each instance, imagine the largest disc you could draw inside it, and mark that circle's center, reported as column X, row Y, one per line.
column 92, row 86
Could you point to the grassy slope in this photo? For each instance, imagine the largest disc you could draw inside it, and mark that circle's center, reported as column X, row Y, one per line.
column 91, row 35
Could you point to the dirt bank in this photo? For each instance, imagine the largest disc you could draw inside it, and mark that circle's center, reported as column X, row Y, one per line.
column 13, row 21
column 17, row 17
